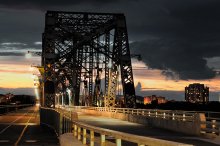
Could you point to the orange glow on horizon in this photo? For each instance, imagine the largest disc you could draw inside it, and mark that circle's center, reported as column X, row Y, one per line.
column 152, row 79
column 15, row 76
column 155, row 81
column 19, row 76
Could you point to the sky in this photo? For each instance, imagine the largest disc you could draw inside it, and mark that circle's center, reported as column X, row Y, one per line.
column 178, row 41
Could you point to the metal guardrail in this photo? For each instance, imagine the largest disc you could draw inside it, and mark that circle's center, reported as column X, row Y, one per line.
column 213, row 122
column 91, row 135
column 164, row 114
column 210, row 123
column 61, row 121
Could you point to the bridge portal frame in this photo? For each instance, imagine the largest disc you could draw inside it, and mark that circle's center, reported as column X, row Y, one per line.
column 70, row 42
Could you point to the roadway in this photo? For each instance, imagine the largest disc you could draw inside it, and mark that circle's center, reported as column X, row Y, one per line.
column 21, row 128
column 143, row 130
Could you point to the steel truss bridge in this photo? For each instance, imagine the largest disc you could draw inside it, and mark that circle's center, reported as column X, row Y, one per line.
column 84, row 55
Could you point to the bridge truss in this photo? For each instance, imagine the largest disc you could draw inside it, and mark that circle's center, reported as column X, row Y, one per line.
column 82, row 50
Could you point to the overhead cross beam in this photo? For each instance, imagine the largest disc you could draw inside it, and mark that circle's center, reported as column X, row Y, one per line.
column 71, row 43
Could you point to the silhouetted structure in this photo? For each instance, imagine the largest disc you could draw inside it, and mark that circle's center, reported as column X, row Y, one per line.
column 77, row 46
column 197, row 93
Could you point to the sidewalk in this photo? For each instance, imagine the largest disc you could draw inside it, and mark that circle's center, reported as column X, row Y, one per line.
column 68, row 139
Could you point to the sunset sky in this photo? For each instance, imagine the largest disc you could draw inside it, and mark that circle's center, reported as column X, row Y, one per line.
column 179, row 42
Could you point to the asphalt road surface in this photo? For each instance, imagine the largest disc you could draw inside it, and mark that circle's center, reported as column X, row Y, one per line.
column 21, row 128
column 143, row 130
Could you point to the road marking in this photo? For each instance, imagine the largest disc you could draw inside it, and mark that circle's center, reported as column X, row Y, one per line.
column 22, row 133
column 3, row 130
column 30, row 141
column 1, row 141
column 20, row 124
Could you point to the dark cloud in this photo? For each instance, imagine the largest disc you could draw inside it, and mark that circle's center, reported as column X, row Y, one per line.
column 23, row 21
column 44, row 4
column 23, row 26
column 186, row 62
column 181, row 39
column 12, row 54
column 170, row 75
column 177, row 36
column 19, row 46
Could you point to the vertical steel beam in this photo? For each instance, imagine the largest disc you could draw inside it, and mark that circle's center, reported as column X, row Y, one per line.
column 91, row 67
column 48, row 61
column 65, row 36
column 125, row 63
column 107, row 49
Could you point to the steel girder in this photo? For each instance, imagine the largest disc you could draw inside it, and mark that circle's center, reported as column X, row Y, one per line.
column 71, row 39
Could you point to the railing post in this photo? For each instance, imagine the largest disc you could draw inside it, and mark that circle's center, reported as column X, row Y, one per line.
column 102, row 140
column 75, row 130
column 213, row 126
column 118, row 142
column 79, row 133
column 199, row 122
column 61, row 123
column 173, row 116
column 92, row 138
column 184, row 117
column 84, row 136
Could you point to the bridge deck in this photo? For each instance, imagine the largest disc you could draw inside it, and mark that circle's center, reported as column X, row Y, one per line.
column 143, row 130
column 21, row 128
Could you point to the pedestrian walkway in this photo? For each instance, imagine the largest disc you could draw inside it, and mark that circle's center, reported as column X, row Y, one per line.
column 143, row 130
column 68, row 139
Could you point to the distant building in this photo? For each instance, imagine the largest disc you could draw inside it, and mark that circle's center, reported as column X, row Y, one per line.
column 197, row 93
column 2, row 98
column 149, row 99
column 6, row 98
